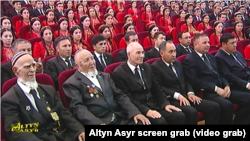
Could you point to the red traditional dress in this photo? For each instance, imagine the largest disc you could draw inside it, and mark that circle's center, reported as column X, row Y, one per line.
column 48, row 23
column 201, row 27
column 215, row 40
column 62, row 33
column 239, row 36
column 76, row 46
column 32, row 35
column 19, row 24
column 6, row 54
column 40, row 51
column 190, row 29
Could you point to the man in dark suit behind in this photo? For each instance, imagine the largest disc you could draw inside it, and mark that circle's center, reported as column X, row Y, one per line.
column 158, row 38
column 102, row 59
column 93, row 97
column 202, row 72
column 136, row 79
column 63, row 61
column 184, row 46
column 17, row 7
column 28, row 102
column 39, row 9
column 59, row 12
column 232, row 64
column 17, row 46
column 170, row 75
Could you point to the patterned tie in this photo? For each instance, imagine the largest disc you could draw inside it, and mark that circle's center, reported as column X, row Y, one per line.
column 102, row 61
column 207, row 62
column 139, row 76
column 69, row 64
column 171, row 66
column 237, row 60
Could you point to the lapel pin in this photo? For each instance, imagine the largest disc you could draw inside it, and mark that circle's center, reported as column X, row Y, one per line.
column 27, row 108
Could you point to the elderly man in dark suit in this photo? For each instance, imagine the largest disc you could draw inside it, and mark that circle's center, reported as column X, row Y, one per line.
column 184, row 46
column 63, row 61
column 202, row 72
column 102, row 59
column 30, row 103
column 17, row 46
column 94, row 99
column 170, row 75
column 136, row 79
column 232, row 64
column 158, row 38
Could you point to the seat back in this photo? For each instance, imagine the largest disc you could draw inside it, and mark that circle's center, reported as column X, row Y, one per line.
column 47, row 58
column 23, row 30
column 209, row 32
column 228, row 30
column 196, row 24
column 212, row 48
column 174, row 17
column 33, row 41
column 141, row 26
column 54, row 27
column 181, row 58
column 42, row 18
column 213, row 52
column 142, row 36
column 241, row 45
column 151, row 61
column 119, row 26
column 14, row 19
column 63, row 76
column 110, row 68
column 117, row 38
column 120, row 16
column 114, row 53
column 178, row 26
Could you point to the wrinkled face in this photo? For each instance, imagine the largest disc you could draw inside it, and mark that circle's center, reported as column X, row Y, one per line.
column 108, row 20
column 26, row 14
column 230, row 45
column 136, row 56
column 152, row 33
column 219, row 28
column 64, row 25
column 185, row 39
column 202, row 45
column 206, row 19
column 106, row 33
column 47, row 35
column 159, row 39
column 169, row 54
column 77, row 35
column 86, row 22
column 51, row 16
column 26, row 68
column 36, row 26
column 100, row 47
column 239, row 27
column 6, row 24
column 71, row 14
column 64, row 48
column 129, row 20
column 7, row 38
column 26, row 47
column 87, row 62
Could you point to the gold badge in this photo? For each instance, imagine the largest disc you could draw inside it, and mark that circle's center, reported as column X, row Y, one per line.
column 97, row 95
column 48, row 109
column 54, row 116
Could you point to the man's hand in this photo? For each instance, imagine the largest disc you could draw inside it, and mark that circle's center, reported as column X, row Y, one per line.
column 153, row 114
column 183, row 101
column 81, row 137
column 142, row 118
column 169, row 108
column 102, row 124
column 221, row 92
column 248, row 87
column 195, row 99
column 227, row 91
column 39, row 66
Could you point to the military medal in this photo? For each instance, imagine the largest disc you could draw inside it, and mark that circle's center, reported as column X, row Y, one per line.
column 48, row 109
column 54, row 116
column 97, row 95
column 91, row 95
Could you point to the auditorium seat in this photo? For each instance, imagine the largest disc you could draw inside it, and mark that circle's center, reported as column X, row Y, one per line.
column 196, row 24
column 150, row 61
column 142, row 36
column 23, row 31
column 110, row 68
column 117, row 38
column 228, row 30
column 141, row 26
column 119, row 26
column 114, row 53
column 209, row 32
column 14, row 19
column 241, row 45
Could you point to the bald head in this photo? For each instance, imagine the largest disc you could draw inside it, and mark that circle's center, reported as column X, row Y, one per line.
column 135, row 53
column 85, row 61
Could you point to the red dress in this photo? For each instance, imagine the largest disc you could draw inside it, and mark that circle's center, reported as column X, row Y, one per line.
column 19, row 25
column 169, row 29
column 77, row 46
column 110, row 47
column 215, row 40
column 247, row 52
column 94, row 22
column 190, row 29
column 87, row 33
column 6, row 53
column 148, row 42
column 200, row 27
column 239, row 37
column 44, row 23
column 39, row 50
column 72, row 23
column 34, row 35
column 148, row 17
column 133, row 13
column 113, row 31
column 122, row 43
column 61, row 34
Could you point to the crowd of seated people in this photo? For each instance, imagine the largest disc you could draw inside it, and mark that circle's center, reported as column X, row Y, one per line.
column 106, row 29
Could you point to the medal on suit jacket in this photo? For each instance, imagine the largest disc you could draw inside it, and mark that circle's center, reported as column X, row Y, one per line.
column 92, row 91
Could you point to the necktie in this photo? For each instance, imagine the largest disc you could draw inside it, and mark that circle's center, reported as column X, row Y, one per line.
column 140, row 77
column 171, row 66
column 69, row 64
column 207, row 62
column 40, row 105
column 42, row 12
column 102, row 61
column 237, row 60
column 188, row 50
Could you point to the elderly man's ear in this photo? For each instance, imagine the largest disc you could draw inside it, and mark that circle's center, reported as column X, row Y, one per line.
column 14, row 70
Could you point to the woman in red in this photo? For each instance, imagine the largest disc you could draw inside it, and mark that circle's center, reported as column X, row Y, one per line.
column 76, row 39
column 133, row 11
column 63, row 28
column 50, row 18
column 182, row 15
column 188, row 26
column 239, row 31
column 108, row 19
column 204, row 25
column 110, row 44
column 247, row 51
column 218, row 31
column 94, row 19
column 69, row 4
column 110, row 11
column 97, row 10
column 127, row 27
column 119, row 6
column 147, row 15
column 87, row 30
column 45, row 47
column 149, row 40
column 25, row 19
column 35, row 29
column 6, row 41
column 6, row 23
column 161, row 8
column 80, row 11
column 71, row 18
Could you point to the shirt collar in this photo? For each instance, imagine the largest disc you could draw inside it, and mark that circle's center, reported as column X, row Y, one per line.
column 199, row 54
column 97, row 54
column 225, row 52
column 183, row 46
column 132, row 67
column 157, row 48
column 166, row 63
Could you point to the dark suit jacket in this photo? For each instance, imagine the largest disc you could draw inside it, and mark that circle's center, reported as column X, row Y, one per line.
column 14, row 109
column 58, row 14
column 36, row 13
column 91, row 110
column 212, row 17
column 180, row 50
column 55, row 66
column 199, row 75
column 153, row 53
column 195, row 19
column 232, row 70
column 108, row 59
column 12, row 13
column 122, row 56
column 152, row 97
column 6, row 72
column 168, row 80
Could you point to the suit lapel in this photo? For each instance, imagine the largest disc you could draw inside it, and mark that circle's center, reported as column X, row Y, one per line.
column 131, row 74
column 101, row 81
column 26, row 104
column 62, row 63
column 97, row 61
column 198, row 58
column 168, row 69
column 143, row 76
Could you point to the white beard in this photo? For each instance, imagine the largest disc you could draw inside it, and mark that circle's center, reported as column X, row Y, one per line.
column 92, row 73
column 29, row 84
